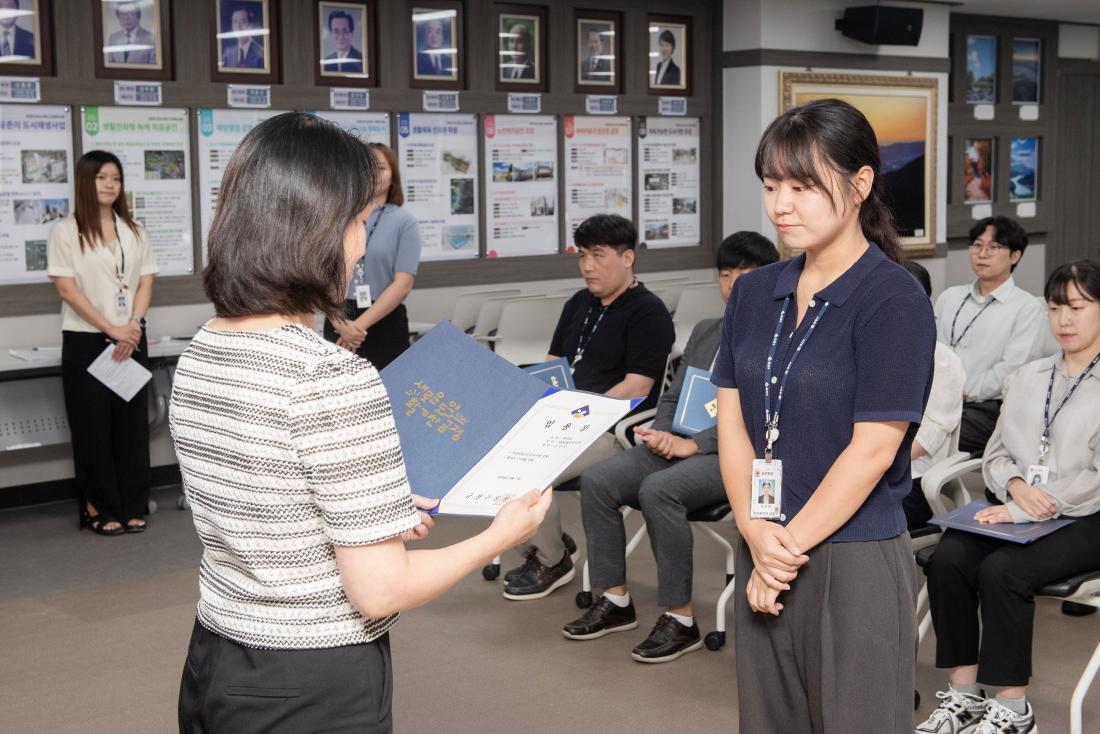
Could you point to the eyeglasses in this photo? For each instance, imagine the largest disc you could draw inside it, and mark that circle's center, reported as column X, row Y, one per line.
column 991, row 247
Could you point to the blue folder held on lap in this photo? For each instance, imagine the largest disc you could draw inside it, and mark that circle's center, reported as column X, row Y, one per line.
column 697, row 409
column 962, row 518
column 555, row 373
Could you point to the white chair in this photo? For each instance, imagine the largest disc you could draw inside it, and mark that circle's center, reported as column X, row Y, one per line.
column 468, row 305
column 696, row 303
column 488, row 315
column 526, row 328
column 1081, row 589
column 670, row 291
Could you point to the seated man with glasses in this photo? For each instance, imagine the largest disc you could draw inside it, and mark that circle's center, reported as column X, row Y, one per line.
column 991, row 324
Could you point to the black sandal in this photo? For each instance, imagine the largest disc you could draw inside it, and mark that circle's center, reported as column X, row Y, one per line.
column 129, row 528
column 98, row 525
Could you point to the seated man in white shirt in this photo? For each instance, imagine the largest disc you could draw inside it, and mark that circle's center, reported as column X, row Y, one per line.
column 942, row 414
column 991, row 324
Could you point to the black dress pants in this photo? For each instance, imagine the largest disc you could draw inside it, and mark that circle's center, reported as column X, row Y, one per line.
column 110, row 437
column 228, row 688
column 385, row 341
column 971, row 574
column 978, row 421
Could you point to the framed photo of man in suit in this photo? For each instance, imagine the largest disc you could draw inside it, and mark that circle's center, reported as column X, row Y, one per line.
column 599, row 52
column 346, row 49
column 25, row 38
column 439, row 59
column 246, row 42
column 133, row 39
column 669, row 55
column 521, row 49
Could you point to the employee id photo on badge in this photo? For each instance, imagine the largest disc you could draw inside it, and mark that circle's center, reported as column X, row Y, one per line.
column 767, row 488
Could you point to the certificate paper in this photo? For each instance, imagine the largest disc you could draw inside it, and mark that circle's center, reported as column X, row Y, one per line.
column 124, row 378
column 554, row 432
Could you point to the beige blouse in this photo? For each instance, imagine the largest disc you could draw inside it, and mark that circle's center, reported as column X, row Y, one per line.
column 1074, row 457
column 96, row 270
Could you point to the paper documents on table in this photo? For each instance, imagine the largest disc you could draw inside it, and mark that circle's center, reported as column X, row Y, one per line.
column 37, row 354
column 962, row 518
column 124, row 378
column 477, row 431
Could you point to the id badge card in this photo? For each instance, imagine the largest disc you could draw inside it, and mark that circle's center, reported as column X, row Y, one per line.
column 1038, row 475
column 362, row 296
column 767, row 489
column 122, row 302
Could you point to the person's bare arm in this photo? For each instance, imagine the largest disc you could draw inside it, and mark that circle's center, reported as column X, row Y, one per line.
column 632, row 385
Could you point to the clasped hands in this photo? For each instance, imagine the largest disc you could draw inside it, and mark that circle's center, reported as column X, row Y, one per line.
column 1031, row 500
column 776, row 559
column 666, row 445
column 126, row 339
column 351, row 334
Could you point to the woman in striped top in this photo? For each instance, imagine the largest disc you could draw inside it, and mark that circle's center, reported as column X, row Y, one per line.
column 291, row 461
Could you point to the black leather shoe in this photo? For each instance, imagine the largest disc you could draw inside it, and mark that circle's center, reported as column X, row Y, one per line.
column 570, row 545
column 668, row 641
column 602, row 618
column 538, row 580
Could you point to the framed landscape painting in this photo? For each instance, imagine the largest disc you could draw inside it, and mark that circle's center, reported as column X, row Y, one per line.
column 902, row 111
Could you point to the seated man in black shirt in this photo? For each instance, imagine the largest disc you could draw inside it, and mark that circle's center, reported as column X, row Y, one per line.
column 616, row 336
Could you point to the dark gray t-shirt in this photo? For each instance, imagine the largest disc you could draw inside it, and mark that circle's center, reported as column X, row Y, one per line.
column 393, row 246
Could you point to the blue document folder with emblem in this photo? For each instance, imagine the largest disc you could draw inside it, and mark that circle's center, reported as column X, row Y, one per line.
column 555, row 373
column 475, row 430
column 962, row 518
column 697, row 409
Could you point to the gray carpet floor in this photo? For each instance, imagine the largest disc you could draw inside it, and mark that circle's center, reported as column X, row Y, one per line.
column 93, row 632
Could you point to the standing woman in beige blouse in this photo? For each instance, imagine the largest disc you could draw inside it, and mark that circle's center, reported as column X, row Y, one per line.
column 1042, row 462
column 101, row 262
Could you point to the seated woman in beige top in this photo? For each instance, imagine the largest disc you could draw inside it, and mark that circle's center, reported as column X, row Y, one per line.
column 1042, row 462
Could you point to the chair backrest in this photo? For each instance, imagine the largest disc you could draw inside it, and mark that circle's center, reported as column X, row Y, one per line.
column 468, row 305
column 488, row 315
column 526, row 328
column 698, row 302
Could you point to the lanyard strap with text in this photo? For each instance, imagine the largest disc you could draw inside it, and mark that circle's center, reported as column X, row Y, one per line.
column 370, row 233
column 1048, row 419
column 771, row 419
column 120, row 271
column 582, row 342
column 955, row 342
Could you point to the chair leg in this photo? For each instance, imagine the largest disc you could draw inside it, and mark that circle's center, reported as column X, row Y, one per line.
column 1079, row 693
column 925, row 624
column 726, row 546
column 922, row 597
column 716, row 639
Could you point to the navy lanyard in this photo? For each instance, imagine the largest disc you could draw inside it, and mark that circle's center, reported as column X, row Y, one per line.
column 1048, row 419
column 120, row 273
column 955, row 342
column 370, row 233
column 771, row 420
column 582, row 342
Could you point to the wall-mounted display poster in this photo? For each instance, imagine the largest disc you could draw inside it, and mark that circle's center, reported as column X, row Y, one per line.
column 370, row 127
column 25, row 34
column 438, row 155
column 668, row 181
column 36, row 186
column 598, row 172
column 521, row 185
column 347, row 51
column 1026, row 66
column 669, row 46
column 245, row 47
column 439, row 60
column 220, row 132
column 978, row 170
column 154, row 145
column 981, row 69
column 902, row 111
column 134, row 39
column 1023, row 173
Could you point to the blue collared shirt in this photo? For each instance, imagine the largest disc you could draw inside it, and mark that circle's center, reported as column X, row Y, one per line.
column 870, row 359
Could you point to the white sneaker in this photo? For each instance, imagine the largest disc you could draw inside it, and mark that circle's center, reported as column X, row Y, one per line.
column 999, row 719
column 958, row 713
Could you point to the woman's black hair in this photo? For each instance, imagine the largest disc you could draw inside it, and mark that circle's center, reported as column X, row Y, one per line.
column 290, row 191
column 839, row 136
column 919, row 272
column 1085, row 274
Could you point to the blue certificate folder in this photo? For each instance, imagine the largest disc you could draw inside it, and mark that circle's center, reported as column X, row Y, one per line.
column 453, row 400
column 555, row 373
column 1023, row 533
column 697, row 409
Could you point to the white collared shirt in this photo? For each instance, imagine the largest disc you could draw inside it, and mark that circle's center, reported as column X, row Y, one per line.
column 943, row 411
column 1001, row 339
column 1074, row 457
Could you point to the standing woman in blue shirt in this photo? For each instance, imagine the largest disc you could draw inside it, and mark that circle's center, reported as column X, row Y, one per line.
column 824, row 368
column 377, row 324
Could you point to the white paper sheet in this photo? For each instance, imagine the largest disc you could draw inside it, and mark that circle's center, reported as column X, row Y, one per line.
column 37, row 354
column 124, row 378
column 550, row 436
